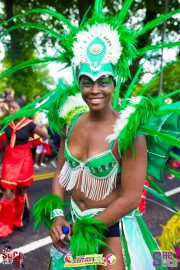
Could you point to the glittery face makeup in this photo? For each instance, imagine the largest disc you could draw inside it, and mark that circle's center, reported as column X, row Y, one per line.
column 102, row 82
column 97, row 94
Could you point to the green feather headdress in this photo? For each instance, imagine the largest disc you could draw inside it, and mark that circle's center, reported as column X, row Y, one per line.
column 109, row 52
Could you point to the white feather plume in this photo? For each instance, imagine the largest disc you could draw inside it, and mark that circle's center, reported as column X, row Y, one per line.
column 110, row 38
column 72, row 102
column 123, row 119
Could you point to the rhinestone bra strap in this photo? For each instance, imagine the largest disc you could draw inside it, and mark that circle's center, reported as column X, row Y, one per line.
column 111, row 144
column 71, row 126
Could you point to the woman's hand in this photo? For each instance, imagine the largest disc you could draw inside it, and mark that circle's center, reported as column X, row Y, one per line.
column 57, row 234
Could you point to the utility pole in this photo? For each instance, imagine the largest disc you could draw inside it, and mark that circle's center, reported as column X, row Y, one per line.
column 163, row 38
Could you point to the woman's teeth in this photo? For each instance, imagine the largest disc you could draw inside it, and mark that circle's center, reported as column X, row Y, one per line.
column 96, row 100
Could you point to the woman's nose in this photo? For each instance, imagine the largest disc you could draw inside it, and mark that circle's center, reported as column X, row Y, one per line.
column 95, row 88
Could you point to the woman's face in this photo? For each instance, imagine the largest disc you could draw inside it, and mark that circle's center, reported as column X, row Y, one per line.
column 97, row 94
column 13, row 107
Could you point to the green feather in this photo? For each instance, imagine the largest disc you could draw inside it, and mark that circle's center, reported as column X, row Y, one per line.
column 84, row 17
column 177, row 174
column 43, row 207
column 52, row 13
column 154, row 23
column 167, row 111
column 131, row 87
column 30, row 109
column 156, row 47
column 155, row 76
column 120, row 17
column 33, row 25
column 161, row 136
column 54, row 108
column 171, row 93
column 98, row 6
column 117, row 93
column 162, row 197
column 87, row 237
column 143, row 112
column 30, row 63
column 50, row 104
column 175, row 156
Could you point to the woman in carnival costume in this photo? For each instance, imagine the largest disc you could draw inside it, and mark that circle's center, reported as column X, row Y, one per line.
column 104, row 154
column 17, row 170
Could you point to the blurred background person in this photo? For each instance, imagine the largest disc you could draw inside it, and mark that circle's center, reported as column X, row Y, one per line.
column 23, row 97
column 8, row 99
column 9, row 91
column 41, row 150
column 41, row 120
column 17, row 171
column 3, row 114
column 3, row 108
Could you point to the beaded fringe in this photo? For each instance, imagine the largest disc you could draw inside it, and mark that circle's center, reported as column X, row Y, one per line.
column 93, row 187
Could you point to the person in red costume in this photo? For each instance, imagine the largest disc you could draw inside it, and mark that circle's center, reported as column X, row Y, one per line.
column 17, row 170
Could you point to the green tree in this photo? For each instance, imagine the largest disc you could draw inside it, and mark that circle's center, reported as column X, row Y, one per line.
column 19, row 47
column 171, row 82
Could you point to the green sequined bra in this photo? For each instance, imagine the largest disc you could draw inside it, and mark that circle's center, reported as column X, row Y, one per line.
column 98, row 172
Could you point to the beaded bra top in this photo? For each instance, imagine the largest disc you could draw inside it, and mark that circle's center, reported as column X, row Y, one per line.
column 98, row 172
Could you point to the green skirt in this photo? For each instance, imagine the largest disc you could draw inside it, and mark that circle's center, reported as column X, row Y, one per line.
column 137, row 242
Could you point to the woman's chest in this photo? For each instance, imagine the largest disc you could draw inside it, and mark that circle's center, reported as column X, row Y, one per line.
column 87, row 142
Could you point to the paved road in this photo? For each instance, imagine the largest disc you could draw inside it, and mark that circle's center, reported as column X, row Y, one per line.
column 38, row 259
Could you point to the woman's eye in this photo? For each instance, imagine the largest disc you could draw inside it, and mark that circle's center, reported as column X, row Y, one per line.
column 87, row 83
column 103, row 83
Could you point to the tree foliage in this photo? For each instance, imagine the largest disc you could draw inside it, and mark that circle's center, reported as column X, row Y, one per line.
column 22, row 44
column 171, row 81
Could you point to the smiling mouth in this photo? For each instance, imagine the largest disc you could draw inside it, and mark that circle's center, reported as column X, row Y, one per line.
column 96, row 100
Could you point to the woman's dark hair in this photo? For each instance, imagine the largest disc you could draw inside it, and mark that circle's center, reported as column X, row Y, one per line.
column 21, row 102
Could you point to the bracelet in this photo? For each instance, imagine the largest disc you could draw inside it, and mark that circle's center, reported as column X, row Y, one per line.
column 56, row 213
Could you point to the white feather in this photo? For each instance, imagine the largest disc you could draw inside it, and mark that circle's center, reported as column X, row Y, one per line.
column 123, row 119
column 72, row 102
column 135, row 100
column 84, row 38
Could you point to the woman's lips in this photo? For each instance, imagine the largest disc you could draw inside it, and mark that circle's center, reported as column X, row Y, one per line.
column 95, row 100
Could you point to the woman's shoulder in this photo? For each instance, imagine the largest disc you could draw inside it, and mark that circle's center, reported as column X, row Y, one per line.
column 30, row 124
column 79, row 119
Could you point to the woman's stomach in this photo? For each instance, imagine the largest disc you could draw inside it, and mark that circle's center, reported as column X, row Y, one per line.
column 85, row 203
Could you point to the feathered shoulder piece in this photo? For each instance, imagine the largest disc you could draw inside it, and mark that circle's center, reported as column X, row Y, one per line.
column 155, row 119
column 73, row 106
column 60, row 106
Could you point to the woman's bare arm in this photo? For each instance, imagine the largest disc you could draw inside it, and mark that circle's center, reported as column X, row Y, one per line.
column 39, row 131
column 56, row 229
column 132, row 181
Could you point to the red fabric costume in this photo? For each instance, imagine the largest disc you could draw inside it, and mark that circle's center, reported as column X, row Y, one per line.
column 17, row 171
column 17, row 167
column 142, row 205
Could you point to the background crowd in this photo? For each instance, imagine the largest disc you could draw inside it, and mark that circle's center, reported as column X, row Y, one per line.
column 43, row 154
